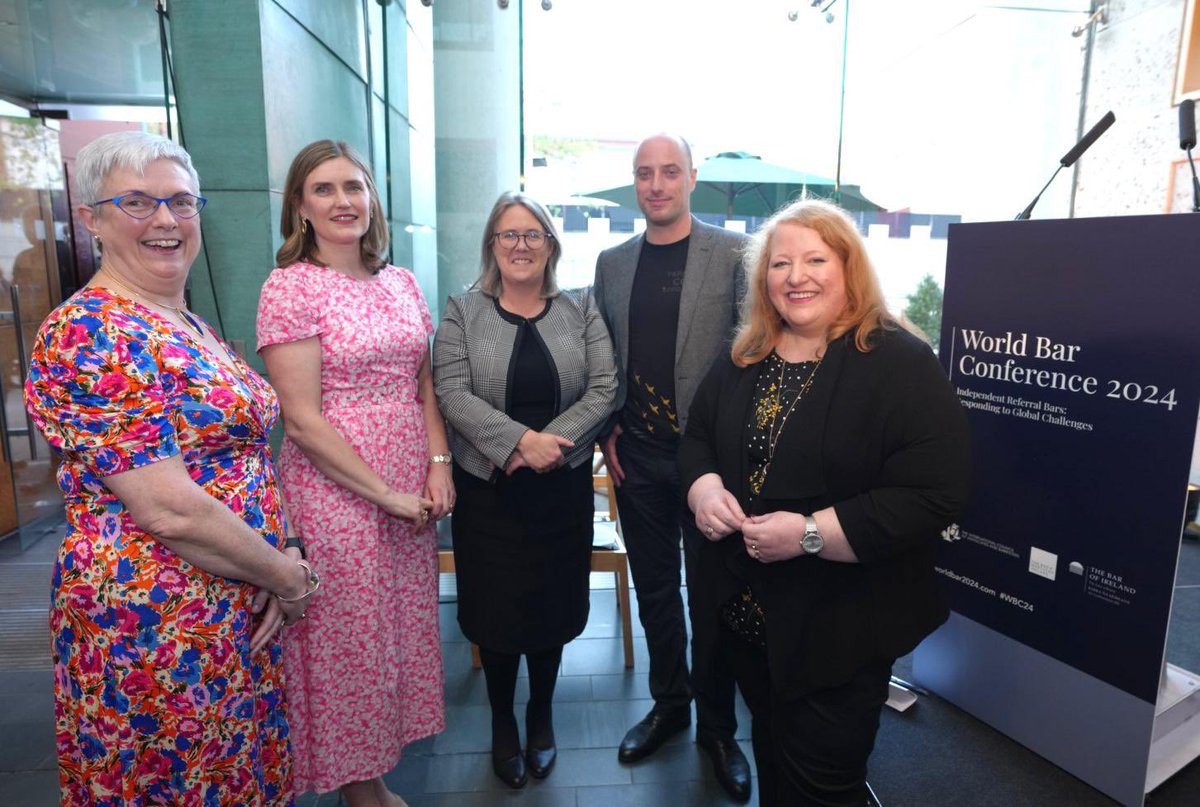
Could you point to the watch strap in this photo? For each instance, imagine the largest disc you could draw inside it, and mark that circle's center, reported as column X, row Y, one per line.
column 296, row 542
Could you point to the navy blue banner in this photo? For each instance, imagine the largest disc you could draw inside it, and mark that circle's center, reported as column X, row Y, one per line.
column 1075, row 347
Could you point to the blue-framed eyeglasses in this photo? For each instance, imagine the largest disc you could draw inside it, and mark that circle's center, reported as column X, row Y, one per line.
column 143, row 206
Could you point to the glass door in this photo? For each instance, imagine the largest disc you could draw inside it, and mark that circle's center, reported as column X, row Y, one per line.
column 34, row 242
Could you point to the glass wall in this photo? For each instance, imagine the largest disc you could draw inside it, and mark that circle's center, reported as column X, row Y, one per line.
column 942, row 111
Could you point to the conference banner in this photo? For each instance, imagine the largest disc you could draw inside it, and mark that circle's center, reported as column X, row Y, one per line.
column 1075, row 348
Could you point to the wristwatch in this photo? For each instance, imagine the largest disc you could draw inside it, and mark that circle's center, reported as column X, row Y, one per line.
column 812, row 542
column 296, row 542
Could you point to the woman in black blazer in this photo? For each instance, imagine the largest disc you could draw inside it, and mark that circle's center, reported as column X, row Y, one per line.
column 525, row 376
column 822, row 459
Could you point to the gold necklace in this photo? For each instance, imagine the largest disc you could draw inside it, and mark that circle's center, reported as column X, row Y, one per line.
column 770, row 407
column 179, row 310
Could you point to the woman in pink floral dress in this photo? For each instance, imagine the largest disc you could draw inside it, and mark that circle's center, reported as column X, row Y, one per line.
column 366, row 470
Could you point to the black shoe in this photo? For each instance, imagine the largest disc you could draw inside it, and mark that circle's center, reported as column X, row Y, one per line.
column 647, row 736
column 730, row 765
column 540, row 760
column 510, row 771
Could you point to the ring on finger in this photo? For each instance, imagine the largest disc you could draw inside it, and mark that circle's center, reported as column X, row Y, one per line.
column 710, row 530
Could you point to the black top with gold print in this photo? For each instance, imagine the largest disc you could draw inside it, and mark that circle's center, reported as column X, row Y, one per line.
column 649, row 411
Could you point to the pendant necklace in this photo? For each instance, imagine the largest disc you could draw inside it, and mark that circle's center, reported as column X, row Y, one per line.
column 767, row 414
column 179, row 310
column 193, row 325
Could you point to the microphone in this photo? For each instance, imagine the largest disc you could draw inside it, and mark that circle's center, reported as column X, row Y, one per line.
column 1088, row 139
column 1187, row 142
column 1187, row 125
column 1070, row 157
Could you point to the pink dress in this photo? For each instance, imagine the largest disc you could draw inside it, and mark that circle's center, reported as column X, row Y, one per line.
column 364, row 670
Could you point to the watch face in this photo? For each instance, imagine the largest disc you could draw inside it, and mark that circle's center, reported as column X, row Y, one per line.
column 812, row 543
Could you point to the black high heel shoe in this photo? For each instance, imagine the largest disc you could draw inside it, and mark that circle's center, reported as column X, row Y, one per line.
column 511, row 771
column 539, row 728
column 540, row 760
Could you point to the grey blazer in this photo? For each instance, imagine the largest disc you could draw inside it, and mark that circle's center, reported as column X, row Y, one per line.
column 472, row 354
column 713, row 286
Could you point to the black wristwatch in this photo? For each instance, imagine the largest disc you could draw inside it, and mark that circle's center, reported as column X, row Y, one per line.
column 812, row 542
column 296, row 542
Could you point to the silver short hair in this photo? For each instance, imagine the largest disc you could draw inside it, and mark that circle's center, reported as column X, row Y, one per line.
column 130, row 150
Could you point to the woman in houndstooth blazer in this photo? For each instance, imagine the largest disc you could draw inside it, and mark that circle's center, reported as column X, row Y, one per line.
column 525, row 377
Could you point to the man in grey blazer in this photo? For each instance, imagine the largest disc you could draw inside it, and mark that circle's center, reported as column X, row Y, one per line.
column 669, row 298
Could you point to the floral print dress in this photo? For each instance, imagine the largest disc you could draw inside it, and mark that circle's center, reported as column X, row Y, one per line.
column 364, row 670
column 158, row 699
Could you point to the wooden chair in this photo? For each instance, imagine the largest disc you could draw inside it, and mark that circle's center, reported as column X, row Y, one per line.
column 608, row 552
column 608, row 555
column 446, row 566
column 602, row 483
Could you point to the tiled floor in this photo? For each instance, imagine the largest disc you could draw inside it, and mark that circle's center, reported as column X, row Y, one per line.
column 932, row 756
column 28, row 767
column 596, row 701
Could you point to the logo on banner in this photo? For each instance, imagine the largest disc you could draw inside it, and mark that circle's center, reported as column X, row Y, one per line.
column 951, row 534
column 1043, row 563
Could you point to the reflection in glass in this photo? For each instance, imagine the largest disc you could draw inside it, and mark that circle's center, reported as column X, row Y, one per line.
column 31, row 189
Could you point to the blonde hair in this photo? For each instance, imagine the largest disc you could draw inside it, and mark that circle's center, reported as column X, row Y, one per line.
column 299, row 243
column 489, row 280
column 865, row 313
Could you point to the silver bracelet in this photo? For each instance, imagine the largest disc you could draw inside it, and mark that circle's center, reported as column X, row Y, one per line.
column 313, row 582
column 439, row 459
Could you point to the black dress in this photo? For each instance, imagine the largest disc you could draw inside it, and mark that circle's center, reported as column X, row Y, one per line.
column 523, row 543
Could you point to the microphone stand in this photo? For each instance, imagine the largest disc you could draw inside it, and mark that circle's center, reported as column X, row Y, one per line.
column 1028, row 211
column 1195, row 183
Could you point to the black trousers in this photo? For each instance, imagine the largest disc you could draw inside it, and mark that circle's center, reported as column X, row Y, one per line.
column 811, row 751
column 653, row 516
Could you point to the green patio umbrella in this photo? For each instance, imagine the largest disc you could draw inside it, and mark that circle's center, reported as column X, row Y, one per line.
column 735, row 183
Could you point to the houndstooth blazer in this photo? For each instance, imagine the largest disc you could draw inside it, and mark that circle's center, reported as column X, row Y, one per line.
column 472, row 360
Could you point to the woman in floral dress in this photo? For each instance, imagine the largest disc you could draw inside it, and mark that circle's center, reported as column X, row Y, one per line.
column 168, row 669
column 365, row 465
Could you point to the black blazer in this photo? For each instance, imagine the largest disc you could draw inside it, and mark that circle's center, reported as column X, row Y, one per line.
column 881, row 437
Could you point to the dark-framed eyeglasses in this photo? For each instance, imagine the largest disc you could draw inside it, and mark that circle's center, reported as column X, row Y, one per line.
column 143, row 206
column 534, row 239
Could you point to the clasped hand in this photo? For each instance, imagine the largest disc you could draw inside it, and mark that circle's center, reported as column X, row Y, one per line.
column 416, row 509
column 439, row 489
column 273, row 613
column 768, row 538
column 541, row 451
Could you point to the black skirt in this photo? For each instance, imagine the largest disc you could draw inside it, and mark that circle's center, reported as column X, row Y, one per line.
column 522, row 552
